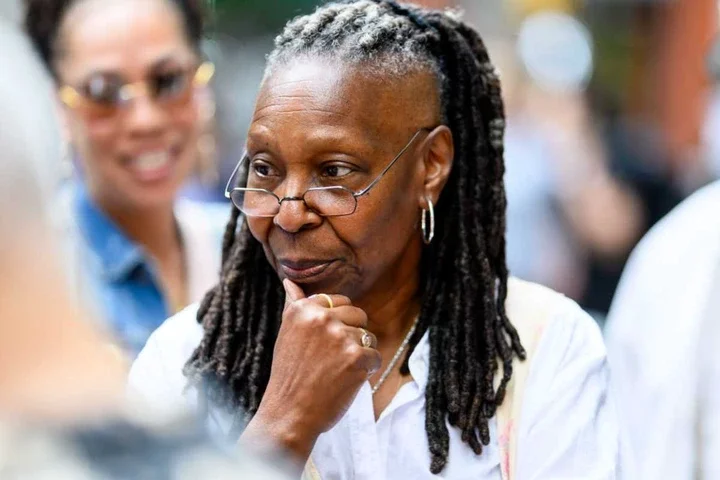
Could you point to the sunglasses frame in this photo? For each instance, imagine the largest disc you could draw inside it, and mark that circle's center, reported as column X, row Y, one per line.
column 71, row 97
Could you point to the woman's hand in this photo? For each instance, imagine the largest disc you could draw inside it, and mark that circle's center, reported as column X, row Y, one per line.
column 319, row 364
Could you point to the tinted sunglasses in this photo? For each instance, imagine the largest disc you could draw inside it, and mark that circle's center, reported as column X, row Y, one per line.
column 104, row 95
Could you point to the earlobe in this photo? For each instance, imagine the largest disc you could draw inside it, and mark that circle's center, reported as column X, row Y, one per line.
column 438, row 163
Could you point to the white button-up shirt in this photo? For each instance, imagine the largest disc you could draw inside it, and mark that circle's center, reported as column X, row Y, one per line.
column 664, row 342
column 568, row 428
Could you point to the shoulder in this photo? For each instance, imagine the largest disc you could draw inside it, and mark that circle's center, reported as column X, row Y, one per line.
column 563, row 343
column 669, row 273
column 156, row 378
column 202, row 226
column 174, row 341
column 180, row 334
column 208, row 217
column 542, row 315
column 692, row 228
column 567, row 419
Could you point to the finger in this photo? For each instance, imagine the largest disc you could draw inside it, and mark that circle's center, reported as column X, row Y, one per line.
column 292, row 292
column 371, row 360
column 334, row 300
column 358, row 334
column 367, row 336
column 353, row 317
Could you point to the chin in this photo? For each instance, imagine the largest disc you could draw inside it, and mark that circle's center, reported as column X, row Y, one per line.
column 335, row 286
column 152, row 197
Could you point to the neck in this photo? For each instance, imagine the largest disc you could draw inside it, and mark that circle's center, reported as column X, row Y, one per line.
column 153, row 228
column 394, row 302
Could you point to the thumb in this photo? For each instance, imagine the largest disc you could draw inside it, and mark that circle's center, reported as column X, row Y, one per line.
column 292, row 292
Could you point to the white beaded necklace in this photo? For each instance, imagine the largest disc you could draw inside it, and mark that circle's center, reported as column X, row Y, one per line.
column 395, row 358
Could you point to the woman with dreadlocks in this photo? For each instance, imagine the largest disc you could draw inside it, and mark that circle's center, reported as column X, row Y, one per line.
column 364, row 319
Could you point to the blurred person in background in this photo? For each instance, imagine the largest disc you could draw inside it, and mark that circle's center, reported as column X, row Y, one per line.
column 534, row 223
column 563, row 199
column 62, row 390
column 364, row 316
column 40, row 342
column 578, row 192
column 663, row 334
column 135, row 101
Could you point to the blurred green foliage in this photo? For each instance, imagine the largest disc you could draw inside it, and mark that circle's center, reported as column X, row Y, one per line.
column 258, row 15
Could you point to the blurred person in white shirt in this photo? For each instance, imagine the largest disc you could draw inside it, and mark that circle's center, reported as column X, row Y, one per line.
column 663, row 337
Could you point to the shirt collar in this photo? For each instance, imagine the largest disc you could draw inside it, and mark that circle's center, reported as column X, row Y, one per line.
column 419, row 362
column 117, row 255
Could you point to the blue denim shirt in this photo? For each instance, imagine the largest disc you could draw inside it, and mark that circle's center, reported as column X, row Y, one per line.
column 120, row 280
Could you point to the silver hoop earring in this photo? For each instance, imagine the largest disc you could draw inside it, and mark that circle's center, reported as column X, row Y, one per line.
column 428, row 231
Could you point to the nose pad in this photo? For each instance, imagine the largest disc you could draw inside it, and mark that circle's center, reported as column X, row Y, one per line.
column 294, row 215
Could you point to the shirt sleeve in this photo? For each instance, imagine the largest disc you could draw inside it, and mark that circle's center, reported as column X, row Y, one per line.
column 569, row 427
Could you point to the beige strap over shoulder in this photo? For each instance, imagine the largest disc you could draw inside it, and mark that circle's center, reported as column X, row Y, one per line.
column 529, row 307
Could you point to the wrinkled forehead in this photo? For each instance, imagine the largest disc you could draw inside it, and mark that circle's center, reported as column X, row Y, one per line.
column 374, row 100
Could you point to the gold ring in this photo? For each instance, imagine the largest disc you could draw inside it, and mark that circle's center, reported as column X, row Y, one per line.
column 366, row 339
column 329, row 300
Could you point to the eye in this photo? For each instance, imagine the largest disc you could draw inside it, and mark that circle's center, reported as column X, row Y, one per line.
column 103, row 89
column 263, row 169
column 168, row 84
column 336, row 171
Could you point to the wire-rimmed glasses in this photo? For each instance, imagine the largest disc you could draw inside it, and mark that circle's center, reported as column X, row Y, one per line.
column 331, row 201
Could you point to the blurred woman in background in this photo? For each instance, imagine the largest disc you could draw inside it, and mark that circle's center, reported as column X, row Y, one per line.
column 135, row 103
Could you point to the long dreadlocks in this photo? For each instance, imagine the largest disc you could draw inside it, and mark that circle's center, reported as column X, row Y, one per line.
column 464, row 273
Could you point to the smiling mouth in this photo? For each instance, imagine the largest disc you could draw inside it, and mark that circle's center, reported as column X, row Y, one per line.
column 153, row 166
column 304, row 270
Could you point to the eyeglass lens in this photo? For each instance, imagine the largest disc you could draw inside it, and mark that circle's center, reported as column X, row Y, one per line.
column 330, row 201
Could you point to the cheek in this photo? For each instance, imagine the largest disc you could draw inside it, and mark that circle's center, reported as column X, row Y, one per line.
column 188, row 120
column 194, row 117
column 381, row 228
column 94, row 138
column 260, row 228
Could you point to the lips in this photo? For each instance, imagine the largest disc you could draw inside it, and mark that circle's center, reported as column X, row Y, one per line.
column 304, row 270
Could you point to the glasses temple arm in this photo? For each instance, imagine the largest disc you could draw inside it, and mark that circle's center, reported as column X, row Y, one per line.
column 385, row 170
column 232, row 175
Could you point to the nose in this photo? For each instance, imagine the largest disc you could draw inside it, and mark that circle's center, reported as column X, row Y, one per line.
column 294, row 216
column 144, row 117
